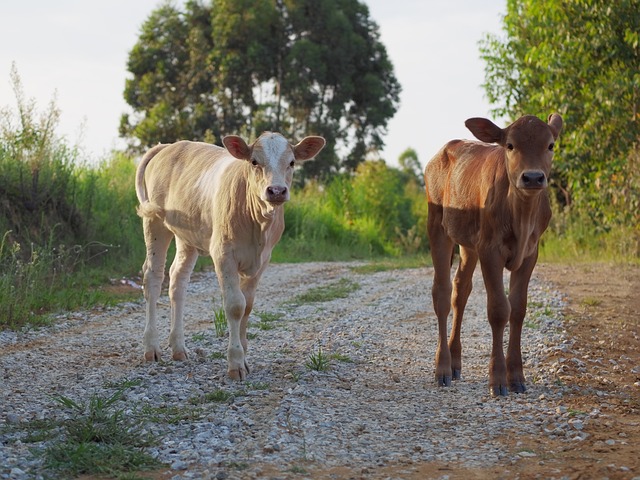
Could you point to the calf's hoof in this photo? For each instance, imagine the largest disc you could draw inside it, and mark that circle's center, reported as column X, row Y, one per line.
column 180, row 356
column 498, row 391
column 152, row 355
column 443, row 380
column 456, row 374
column 518, row 387
column 239, row 373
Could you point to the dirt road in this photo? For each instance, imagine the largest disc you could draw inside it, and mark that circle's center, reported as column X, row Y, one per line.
column 376, row 411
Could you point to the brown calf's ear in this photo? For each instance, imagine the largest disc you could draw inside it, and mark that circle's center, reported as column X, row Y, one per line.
column 308, row 148
column 555, row 122
column 484, row 130
column 237, row 147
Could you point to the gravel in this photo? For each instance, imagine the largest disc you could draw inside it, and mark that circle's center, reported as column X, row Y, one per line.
column 377, row 405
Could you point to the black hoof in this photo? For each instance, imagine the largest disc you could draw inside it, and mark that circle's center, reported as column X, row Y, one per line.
column 518, row 387
column 456, row 374
column 444, row 380
column 498, row 391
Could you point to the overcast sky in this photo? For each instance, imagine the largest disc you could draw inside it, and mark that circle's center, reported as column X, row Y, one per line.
column 77, row 50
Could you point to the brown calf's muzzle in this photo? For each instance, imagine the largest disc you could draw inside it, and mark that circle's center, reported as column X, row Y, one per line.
column 532, row 180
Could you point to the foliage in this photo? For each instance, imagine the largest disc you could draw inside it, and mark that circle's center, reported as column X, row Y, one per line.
column 580, row 58
column 242, row 67
column 37, row 174
column 220, row 322
column 57, row 217
column 377, row 210
column 100, row 438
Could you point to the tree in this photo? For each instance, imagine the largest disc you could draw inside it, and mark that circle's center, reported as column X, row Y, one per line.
column 410, row 165
column 580, row 58
column 300, row 67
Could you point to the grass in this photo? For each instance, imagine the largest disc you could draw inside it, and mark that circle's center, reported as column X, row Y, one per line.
column 340, row 289
column 591, row 301
column 220, row 322
column 393, row 263
column 318, row 361
column 97, row 438
column 267, row 320
column 217, row 396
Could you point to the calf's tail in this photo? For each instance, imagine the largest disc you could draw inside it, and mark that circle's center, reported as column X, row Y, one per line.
column 147, row 208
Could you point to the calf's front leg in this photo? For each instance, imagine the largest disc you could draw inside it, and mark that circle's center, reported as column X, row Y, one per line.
column 234, row 308
column 518, row 287
column 498, row 311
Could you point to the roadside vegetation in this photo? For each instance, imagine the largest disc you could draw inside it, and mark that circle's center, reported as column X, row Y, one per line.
column 68, row 226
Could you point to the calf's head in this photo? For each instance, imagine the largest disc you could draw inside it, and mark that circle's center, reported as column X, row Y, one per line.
column 528, row 145
column 272, row 160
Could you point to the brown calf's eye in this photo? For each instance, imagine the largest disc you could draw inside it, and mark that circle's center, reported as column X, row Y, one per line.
column 551, row 145
column 509, row 146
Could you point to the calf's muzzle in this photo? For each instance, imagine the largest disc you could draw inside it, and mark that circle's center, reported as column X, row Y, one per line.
column 277, row 194
column 532, row 179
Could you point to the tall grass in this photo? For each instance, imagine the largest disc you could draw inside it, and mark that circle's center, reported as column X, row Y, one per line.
column 59, row 218
column 573, row 237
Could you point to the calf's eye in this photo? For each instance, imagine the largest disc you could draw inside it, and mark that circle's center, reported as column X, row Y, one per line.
column 292, row 163
column 509, row 146
column 551, row 145
column 254, row 162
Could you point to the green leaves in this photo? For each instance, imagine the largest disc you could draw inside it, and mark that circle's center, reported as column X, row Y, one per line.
column 581, row 59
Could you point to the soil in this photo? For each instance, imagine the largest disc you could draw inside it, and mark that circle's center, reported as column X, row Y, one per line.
column 603, row 316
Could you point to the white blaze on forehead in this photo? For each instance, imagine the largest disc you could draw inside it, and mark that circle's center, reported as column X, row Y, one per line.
column 274, row 147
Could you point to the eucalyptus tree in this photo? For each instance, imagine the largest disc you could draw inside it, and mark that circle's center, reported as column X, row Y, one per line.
column 300, row 67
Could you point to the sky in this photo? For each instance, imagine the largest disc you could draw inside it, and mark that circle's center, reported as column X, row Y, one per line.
column 75, row 52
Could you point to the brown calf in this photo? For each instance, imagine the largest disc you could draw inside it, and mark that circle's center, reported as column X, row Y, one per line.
column 492, row 200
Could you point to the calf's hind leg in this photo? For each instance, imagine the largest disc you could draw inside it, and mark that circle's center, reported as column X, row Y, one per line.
column 441, row 254
column 157, row 239
column 179, row 276
column 462, row 285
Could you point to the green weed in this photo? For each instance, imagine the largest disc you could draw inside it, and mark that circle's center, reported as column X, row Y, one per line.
column 341, row 358
column 340, row 289
column 99, row 439
column 591, row 301
column 220, row 322
column 216, row 396
column 318, row 361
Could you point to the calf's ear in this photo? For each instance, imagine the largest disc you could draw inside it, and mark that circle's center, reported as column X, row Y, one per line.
column 308, row 148
column 485, row 130
column 555, row 122
column 237, row 147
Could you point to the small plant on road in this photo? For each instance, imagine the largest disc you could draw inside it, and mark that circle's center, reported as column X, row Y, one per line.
column 220, row 322
column 318, row 361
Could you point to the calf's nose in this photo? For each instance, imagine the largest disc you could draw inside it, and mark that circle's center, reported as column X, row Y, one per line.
column 277, row 193
column 533, row 179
